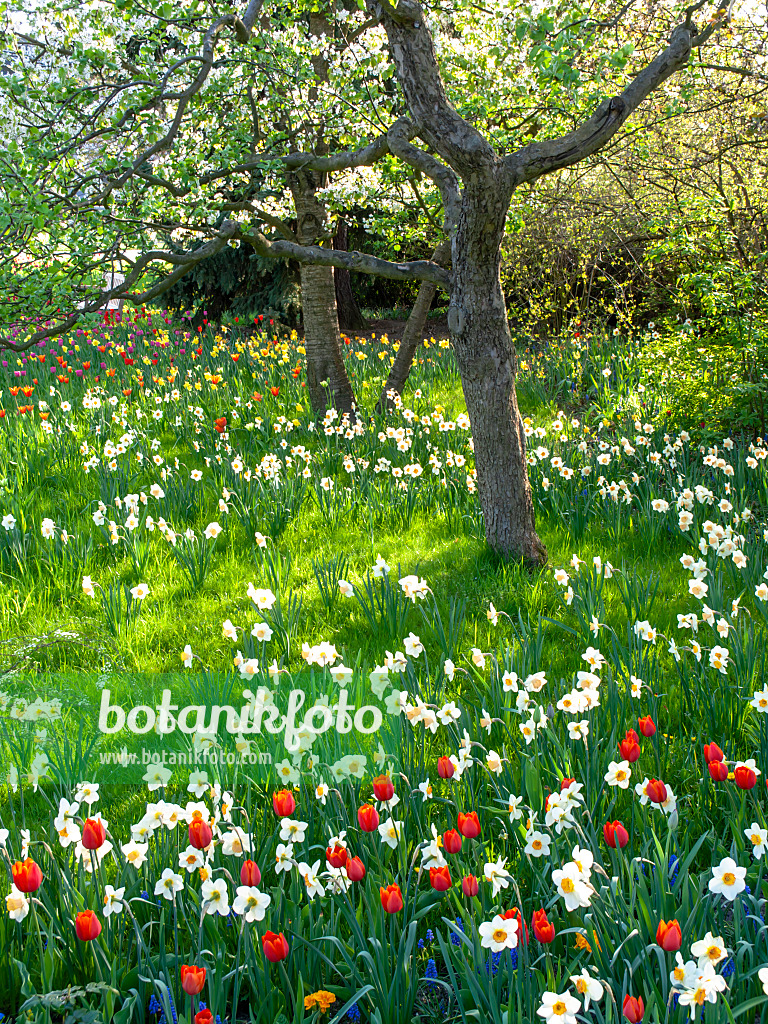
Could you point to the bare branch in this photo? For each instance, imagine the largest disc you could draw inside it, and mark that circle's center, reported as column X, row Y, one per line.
column 416, row 270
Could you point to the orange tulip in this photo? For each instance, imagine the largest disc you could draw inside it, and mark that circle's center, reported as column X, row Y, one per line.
column 469, row 825
column 200, row 835
column 669, row 936
column 440, row 879
column 391, row 898
column 192, row 979
column 87, row 926
column 283, row 803
column 27, row 876
column 543, row 928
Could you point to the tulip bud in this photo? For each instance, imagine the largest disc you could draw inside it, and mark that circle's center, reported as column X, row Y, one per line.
column 283, row 803
column 543, row 929
column 355, row 869
column 440, row 879
column 192, row 979
column 633, row 1009
column 249, row 873
column 94, row 834
column 629, row 748
column 713, row 753
column 445, row 768
column 744, row 777
column 718, row 771
column 87, row 926
column 656, row 791
column 451, row 841
column 646, row 726
column 27, row 876
column 469, row 885
column 368, row 818
column 469, row 825
column 669, row 936
column 275, row 947
column 204, row 1017
column 336, row 857
column 200, row 834
column 391, row 898
column 383, row 788
column 615, row 834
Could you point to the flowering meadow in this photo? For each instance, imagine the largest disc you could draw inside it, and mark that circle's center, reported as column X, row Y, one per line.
column 410, row 782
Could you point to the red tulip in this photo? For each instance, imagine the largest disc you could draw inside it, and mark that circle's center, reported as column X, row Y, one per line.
column 283, row 803
column 646, row 726
column 713, row 753
column 249, row 873
column 391, row 898
column 451, row 841
column 744, row 777
column 469, row 885
column 383, row 788
column 669, row 936
column 355, row 869
column 275, row 947
column 204, row 1017
column 440, row 879
column 566, row 784
column 93, row 833
column 200, row 835
column 368, row 818
column 336, row 857
column 27, row 876
column 445, row 768
column 629, row 748
column 275, row 391
column 633, row 1009
column 469, row 825
column 615, row 834
column 718, row 770
column 656, row 791
column 543, row 929
column 192, row 979
column 87, row 926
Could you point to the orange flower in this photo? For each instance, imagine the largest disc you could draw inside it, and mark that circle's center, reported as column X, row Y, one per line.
column 87, row 926
column 469, row 825
column 192, row 979
column 27, row 876
column 93, row 834
column 283, row 803
column 368, row 818
column 383, row 788
column 669, row 936
column 440, row 879
column 391, row 898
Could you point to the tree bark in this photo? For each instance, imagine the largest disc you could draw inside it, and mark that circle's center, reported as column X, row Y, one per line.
column 477, row 321
column 350, row 317
column 327, row 380
column 413, row 332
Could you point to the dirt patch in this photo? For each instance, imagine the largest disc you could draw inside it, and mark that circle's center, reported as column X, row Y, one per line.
column 394, row 329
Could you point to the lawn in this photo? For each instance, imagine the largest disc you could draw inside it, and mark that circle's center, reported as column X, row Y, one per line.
column 558, row 781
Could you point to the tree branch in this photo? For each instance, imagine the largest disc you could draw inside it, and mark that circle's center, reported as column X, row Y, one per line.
column 444, row 130
column 540, row 158
column 399, row 136
column 416, row 270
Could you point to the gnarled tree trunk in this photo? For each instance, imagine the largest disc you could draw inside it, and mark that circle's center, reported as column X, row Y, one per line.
column 477, row 320
column 327, row 380
column 413, row 332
